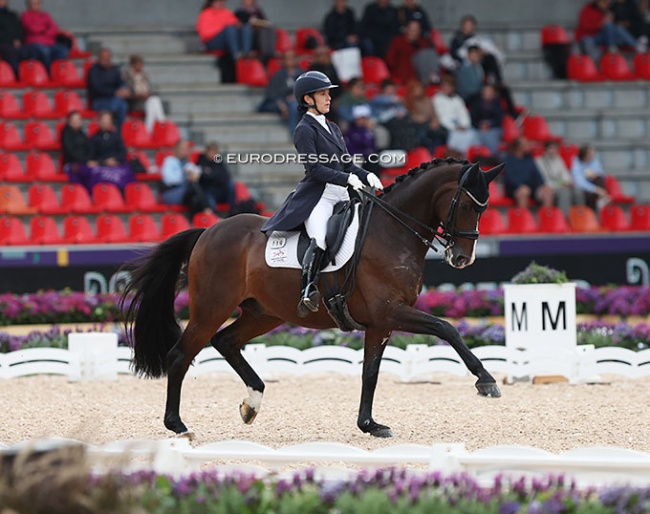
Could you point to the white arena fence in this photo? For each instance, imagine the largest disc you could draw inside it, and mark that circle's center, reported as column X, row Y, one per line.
column 334, row 461
column 96, row 356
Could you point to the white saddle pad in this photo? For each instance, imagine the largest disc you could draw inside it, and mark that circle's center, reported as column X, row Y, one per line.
column 282, row 248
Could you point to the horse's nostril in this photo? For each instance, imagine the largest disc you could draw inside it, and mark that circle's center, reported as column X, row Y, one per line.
column 461, row 260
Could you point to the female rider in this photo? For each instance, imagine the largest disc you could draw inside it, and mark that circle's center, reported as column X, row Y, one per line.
column 328, row 171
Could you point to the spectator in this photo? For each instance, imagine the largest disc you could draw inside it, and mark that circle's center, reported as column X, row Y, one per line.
column 219, row 29
column 470, row 75
column 642, row 26
column 522, row 177
column 180, row 181
column 430, row 133
column 141, row 93
column 340, row 26
column 107, row 146
column 589, row 176
column 322, row 61
column 75, row 144
column 107, row 90
column 379, row 25
column 360, row 138
column 354, row 95
column 12, row 38
column 596, row 28
column 410, row 10
column 627, row 14
column 410, row 56
column 215, row 180
column 249, row 13
column 387, row 104
column 557, row 176
column 487, row 116
column 279, row 93
column 41, row 32
column 454, row 116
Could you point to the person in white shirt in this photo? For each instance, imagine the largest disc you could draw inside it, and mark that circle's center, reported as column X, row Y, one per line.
column 454, row 116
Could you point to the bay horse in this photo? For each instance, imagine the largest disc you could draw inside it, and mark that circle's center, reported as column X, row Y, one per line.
column 226, row 270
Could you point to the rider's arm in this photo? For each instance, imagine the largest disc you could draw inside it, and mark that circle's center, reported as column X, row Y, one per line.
column 304, row 139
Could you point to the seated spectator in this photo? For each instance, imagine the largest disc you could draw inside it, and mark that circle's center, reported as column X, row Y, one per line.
column 249, row 13
column 279, row 93
column 387, row 104
column 75, row 144
column 411, row 10
column 322, row 61
column 355, row 94
column 215, row 180
column 589, row 176
column 642, row 25
column 12, row 38
column 596, row 27
column 142, row 97
column 360, row 138
column 107, row 145
column 522, row 178
column 466, row 36
column 628, row 14
column 454, row 116
column 340, row 26
column 40, row 33
column 379, row 24
column 430, row 133
column 180, row 181
column 470, row 76
column 487, row 115
column 219, row 29
column 107, row 90
column 557, row 177
column 411, row 56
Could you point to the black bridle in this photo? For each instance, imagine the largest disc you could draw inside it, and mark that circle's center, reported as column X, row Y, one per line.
column 446, row 232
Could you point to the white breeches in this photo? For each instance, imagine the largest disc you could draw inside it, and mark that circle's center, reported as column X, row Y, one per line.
column 316, row 224
column 153, row 111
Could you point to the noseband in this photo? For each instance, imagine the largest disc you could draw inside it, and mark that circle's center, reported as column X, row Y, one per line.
column 445, row 233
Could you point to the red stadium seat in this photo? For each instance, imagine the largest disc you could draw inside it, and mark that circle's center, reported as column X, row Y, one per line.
column 273, row 66
column 10, row 139
column 77, row 230
column 583, row 219
column 535, row 128
column 67, row 101
column 283, row 41
column 10, row 108
column 34, row 74
column 43, row 198
column 640, row 217
column 143, row 229
column 7, row 76
column 40, row 166
column 38, row 105
column 165, row 134
column 77, row 198
column 39, row 136
column 110, row 229
column 65, row 74
column 642, row 66
column 204, row 219
column 440, row 152
column 44, row 231
column 251, row 72
column 521, row 221
column 173, row 223
column 552, row 221
column 498, row 197
column 12, row 232
column 438, row 42
column 161, row 155
column 136, row 135
column 491, row 223
column 476, row 152
column 140, row 197
column 13, row 202
column 144, row 160
column 568, row 151
column 11, row 169
column 613, row 218
column 582, row 68
column 614, row 66
column 510, row 129
column 109, row 198
column 75, row 51
column 554, row 35
column 615, row 190
column 374, row 70
column 307, row 38
column 417, row 156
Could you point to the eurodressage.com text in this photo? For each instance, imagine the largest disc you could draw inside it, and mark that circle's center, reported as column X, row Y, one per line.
column 386, row 160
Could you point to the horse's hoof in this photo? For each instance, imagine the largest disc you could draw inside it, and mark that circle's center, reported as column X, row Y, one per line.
column 376, row 430
column 247, row 413
column 188, row 434
column 488, row 389
column 383, row 432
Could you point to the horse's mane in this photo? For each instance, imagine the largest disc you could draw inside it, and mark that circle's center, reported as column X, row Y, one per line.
column 434, row 163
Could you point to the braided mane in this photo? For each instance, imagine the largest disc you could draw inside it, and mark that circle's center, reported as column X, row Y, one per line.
column 434, row 163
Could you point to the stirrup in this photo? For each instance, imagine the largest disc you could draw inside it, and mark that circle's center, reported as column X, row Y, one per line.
column 311, row 298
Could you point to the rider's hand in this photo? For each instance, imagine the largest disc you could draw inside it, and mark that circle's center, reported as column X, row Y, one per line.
column 374, row 182
column 355, row 182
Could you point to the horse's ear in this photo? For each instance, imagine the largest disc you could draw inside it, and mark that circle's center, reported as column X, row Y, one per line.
column 490, row 175
column 473, row 174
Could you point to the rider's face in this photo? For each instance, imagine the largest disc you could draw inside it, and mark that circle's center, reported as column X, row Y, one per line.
column 323, row 100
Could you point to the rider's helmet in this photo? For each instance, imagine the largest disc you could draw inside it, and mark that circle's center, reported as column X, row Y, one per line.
column 308, row 83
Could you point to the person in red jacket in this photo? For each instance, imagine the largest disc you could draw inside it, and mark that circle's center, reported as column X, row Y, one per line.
column 410, row 56
column 596, row 28
column 40, row 33
column 220, row 29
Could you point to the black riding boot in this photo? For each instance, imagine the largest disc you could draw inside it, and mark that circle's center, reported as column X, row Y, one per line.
column 311, row 264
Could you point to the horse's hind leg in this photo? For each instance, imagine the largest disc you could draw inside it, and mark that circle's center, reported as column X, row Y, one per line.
column 229, row 342
column 375, row 343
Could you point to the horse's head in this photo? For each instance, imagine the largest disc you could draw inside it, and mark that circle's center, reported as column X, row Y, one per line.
column 459, row 211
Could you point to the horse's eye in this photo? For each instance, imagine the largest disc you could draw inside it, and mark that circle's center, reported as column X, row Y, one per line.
column 465, row 206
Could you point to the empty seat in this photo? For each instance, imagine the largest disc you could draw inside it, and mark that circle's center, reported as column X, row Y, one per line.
column 640, row 217
column 476, row 152
column 521, row 221
column 110, row 229
column 143, row 229
column 136, row 135
column 108, row 197
column 10, row 108
column 44, row 231
column 374, row 70
column 38, row 105
column 273, row 66
column 510, row 129
column 583, row 219
column 11, row 169
column 535, row 128
column 173, row 223
column 417, row 156
column 140, row 197
column 552, row 220
column 308, row 38
column 491, row 223
column 67, row 101
column 568, row 151
column 204, row 219
column 40, row 166
column 38, row 135
column 76, row 197
column 497, row 196
column 613, row 218
column 65, row 74
column 250, row 71
column 43, row 198
column 34, row 74
column 78, row 230
column 613, row 66
column 7, row 76
column 642, row 66
column 12, row 232
column 10, row 139
column 165, row 134
column 283, row 41
column 615, row 190
column 554, row 35
column 12, row 201
column 582, row 68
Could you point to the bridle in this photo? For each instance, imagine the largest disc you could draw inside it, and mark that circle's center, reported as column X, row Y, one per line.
column 446, row 232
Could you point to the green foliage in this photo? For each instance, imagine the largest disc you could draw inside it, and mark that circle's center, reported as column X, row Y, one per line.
column 538, row 274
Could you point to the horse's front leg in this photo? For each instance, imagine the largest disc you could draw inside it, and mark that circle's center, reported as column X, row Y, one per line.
column 375, row 342
column 409, row 319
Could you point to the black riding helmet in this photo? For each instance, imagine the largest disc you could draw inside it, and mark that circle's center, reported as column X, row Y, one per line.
column 307, row 84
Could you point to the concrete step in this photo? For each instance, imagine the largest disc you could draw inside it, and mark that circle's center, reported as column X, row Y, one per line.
column 609, row 124
column 142, row 43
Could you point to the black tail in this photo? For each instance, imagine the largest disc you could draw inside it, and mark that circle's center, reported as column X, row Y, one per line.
column 150, row 320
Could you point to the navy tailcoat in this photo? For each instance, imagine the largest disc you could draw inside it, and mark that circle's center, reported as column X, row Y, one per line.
column 313, row 141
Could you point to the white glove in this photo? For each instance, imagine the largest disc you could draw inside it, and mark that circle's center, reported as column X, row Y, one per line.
column 355, row 182
column 374, row 182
